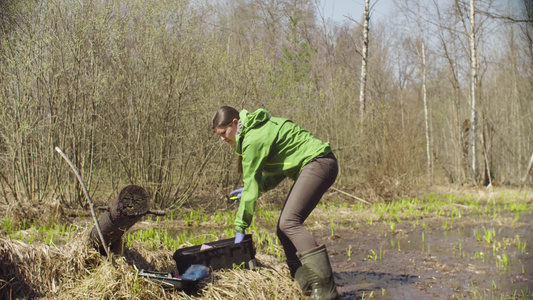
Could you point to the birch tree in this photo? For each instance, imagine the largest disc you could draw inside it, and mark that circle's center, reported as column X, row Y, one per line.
column 529, row 167
column 364, row 61
column 422, row 55
column 473, row 87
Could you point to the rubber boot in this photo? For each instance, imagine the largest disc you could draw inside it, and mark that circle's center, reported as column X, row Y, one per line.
column 317, row 268
column 298, row 273
column 301, row 279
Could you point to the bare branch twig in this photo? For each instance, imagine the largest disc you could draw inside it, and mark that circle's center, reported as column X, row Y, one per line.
column 355, row 197
column 91, row 204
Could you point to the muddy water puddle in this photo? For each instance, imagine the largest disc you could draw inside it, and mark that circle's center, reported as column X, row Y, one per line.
column 476, row 257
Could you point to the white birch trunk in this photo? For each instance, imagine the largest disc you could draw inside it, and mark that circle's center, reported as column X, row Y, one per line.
column 364, row 60
column 424, row 94
column 530, row 165
column 473, row 90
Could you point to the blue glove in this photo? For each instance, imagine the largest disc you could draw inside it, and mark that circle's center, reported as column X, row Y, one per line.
column 239, row 237
column 236, row 194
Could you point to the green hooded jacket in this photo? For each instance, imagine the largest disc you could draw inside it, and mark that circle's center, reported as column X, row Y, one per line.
column 271, row 149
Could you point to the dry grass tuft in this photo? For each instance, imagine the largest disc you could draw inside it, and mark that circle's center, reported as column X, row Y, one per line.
column 77, row 271
column 38, row 269
column 112, row 280
column 141, row 258
column 270, row 281
column 26, row 212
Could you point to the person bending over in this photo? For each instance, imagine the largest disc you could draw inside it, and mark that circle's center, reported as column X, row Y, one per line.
column 271, row 149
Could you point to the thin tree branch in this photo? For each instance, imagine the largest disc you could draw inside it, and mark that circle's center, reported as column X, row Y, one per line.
column 91, row 204
column 355, row 197
column 503, row 17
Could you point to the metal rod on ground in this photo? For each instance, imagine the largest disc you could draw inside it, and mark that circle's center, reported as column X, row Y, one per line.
column 91, row 204
column 355, row 197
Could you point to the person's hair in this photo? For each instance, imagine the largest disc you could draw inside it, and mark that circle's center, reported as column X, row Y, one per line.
column 224, row 116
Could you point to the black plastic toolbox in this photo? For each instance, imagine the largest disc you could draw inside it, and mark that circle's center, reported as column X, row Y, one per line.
column 223, row 254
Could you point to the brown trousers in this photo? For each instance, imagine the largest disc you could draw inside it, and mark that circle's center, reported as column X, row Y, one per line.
column 316, row 177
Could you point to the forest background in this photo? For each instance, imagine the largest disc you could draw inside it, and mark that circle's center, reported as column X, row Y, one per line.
column 127, row 90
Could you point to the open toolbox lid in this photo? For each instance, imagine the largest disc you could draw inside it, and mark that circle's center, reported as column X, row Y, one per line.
column 167, row 280
column 220, row 254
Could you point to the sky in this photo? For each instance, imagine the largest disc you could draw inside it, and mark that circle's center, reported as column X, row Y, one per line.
column 337, row 9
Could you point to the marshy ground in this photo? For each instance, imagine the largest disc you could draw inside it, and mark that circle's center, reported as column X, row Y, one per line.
column 474, row 244
column 482, row 254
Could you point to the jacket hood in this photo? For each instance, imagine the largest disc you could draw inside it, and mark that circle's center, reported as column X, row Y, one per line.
column 249, row 121
column 252, row 119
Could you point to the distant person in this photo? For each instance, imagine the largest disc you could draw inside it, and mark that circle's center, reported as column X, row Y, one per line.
column 269, row 150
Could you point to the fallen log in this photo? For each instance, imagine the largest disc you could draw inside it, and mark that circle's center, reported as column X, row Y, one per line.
column 122, row 213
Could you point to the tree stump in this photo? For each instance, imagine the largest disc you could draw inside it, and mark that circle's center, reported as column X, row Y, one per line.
column 129, row 207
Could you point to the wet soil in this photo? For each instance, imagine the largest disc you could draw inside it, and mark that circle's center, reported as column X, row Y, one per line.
column 433, row 258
